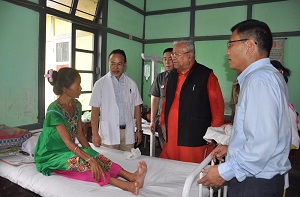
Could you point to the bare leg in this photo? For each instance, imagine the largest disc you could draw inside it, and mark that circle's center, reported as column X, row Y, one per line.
column 132, row 187
column 138, row 176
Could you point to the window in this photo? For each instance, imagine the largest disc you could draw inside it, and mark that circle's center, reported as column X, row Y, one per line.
column 86, row 9
column 84, row 62
column 61, row 52
column 58, row 50
column 62, row 5
column 73, row 45
column 81, row 8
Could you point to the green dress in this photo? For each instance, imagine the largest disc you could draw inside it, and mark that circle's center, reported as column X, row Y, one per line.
column 51, row 153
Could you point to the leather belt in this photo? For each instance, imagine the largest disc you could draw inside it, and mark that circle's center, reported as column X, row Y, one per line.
column 123, row 126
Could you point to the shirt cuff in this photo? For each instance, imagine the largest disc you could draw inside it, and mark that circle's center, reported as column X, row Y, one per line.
column 225, row 172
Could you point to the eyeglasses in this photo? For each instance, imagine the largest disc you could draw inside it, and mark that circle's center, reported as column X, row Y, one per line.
column 232, row 41
column 178, row 54
column 116, row 64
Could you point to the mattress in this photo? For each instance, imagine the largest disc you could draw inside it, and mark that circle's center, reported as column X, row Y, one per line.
column 164, row 178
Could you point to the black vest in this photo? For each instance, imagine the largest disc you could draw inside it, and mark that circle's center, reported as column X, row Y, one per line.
column 194, row 108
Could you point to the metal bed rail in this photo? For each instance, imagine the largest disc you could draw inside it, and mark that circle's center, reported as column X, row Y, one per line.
column 190, row 180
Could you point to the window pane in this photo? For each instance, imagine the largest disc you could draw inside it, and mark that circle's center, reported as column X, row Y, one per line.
column 84, row 61
column 84, row 40
column 63, row 5
column 85, row 100
column 86, row 6
column 86, row 81
column 62, row 52
column 62, row 29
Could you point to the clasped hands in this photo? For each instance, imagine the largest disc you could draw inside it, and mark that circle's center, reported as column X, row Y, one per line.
column 212, row 177
column 97, row 141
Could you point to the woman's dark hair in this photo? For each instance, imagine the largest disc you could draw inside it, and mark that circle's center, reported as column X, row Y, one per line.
column 63, row 78
column 146, row 115
column 283, row 70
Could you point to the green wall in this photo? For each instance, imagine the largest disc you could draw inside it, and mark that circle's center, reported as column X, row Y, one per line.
column 130, row 22
column 138, row 4
column 154, row 5
column 166, row 26
column 201, row 2
column 19, row 65
column 289, row 20
column 218, row 21
column 125, row 20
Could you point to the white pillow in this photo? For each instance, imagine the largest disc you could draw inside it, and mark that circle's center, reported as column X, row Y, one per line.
column 29, row 145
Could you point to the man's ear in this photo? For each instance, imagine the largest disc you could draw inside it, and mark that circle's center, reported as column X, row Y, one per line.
column 251, row 45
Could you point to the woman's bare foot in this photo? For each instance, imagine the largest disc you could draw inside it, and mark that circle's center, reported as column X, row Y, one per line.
column 140, row 174
column 134, row 187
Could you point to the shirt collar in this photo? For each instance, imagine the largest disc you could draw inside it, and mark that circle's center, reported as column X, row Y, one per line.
column 166, row 74
column 252, row 67
column 121, row 78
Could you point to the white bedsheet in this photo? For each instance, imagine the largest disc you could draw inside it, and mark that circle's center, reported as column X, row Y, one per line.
column 164, row 178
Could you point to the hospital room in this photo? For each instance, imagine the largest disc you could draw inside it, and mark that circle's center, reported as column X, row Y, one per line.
column 223, row 43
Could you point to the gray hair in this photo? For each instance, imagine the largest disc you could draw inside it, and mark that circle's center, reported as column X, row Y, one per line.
column 189, row 43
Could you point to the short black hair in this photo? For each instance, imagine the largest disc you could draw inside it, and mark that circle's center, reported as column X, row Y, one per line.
column 168, row 50
column 257, row 30
column 118, row 51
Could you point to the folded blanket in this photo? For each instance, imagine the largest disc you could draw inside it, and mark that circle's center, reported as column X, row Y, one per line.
column 12, row 136
column 220, row 134
column 134, row 154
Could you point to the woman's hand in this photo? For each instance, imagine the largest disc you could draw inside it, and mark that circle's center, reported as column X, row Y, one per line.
column 97, row 170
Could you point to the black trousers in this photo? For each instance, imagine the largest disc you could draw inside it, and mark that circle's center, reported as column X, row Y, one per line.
column 257, row 187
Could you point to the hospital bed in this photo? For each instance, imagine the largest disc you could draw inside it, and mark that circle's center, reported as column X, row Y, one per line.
column 164, row 178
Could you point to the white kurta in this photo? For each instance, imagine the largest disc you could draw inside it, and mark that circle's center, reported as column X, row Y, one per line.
column 103, row 96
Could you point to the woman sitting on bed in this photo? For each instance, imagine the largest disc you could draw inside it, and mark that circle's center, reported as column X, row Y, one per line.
column 56, row 149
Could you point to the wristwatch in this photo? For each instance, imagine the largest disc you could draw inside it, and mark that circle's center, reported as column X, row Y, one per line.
column 139, row 130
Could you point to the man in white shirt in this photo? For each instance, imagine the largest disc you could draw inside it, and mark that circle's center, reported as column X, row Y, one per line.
column 116, row 99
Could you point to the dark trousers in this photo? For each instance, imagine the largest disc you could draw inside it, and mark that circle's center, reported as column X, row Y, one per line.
column 257, row 187
column 160, row 135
